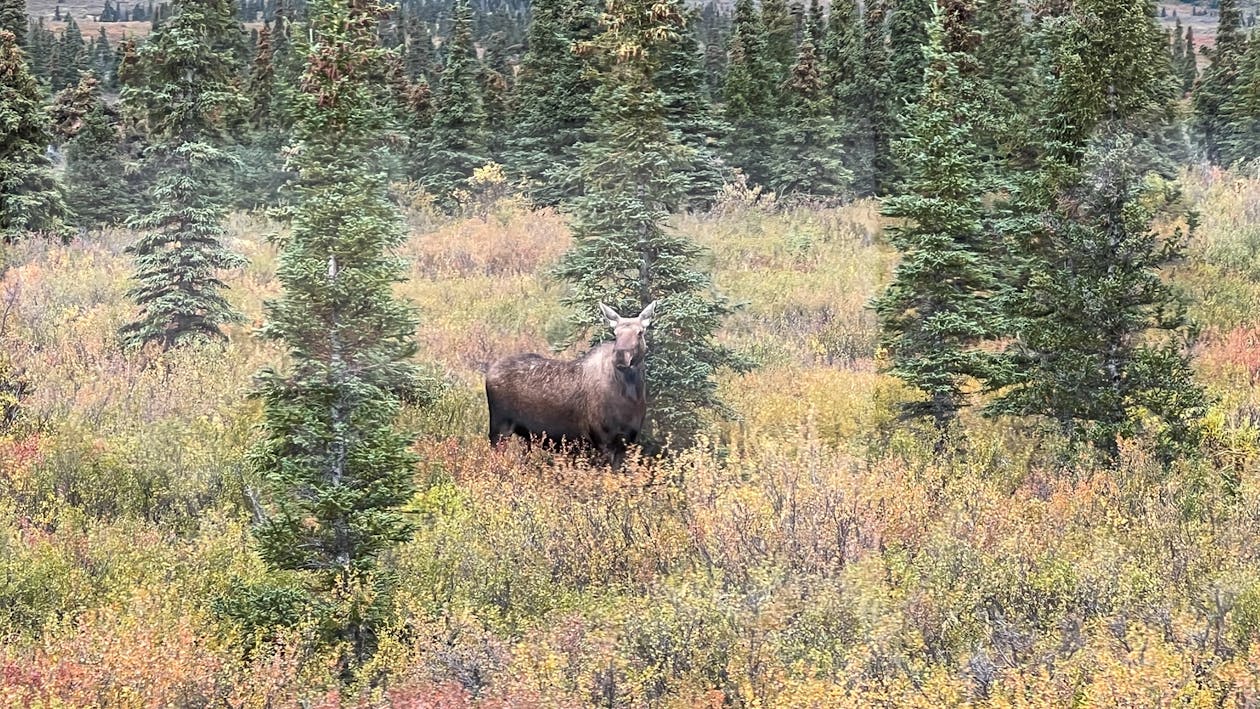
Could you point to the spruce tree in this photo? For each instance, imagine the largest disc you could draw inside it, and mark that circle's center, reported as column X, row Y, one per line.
column 749, row 95
column 96, row 182
column 182, row 93
column 1218, row 82
column 31, row 200
column 457, row 133
column 72, row 57
column 1101, row 346
column 623, row 253
column 907, row 33
column 1242, row 110
column 780, row 30
column 1005, row 50
column 680, row 78
column 873, row 113
column 940, row 311
column 807, row 157
column 841, row 67
column 337, row 468
column 13, row 18
column 553, row 106
column 1189, row 70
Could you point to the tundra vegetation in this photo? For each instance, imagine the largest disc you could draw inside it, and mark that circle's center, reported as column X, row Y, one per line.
column 962, row 378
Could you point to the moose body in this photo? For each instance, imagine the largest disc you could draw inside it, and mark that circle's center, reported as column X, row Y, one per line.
column 599, row 399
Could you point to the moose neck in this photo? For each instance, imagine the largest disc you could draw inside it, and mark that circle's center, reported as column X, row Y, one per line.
column 629, row 381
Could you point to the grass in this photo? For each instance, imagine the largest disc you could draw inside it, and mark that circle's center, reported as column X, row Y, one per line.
column 813, row 552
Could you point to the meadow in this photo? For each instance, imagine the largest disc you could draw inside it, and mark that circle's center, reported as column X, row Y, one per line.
column 812, row 552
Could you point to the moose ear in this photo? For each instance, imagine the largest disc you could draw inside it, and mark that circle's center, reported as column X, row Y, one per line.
column 648, row 313
column 610, row 315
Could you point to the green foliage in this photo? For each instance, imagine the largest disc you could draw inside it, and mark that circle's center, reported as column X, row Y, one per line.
column 72, row 57
column 688, row 111
column 181, row 91
column 941, row 307
column 553, row 104
column 337, row 469
column 1100, row 347
column 749, row 95
column 1005, row 49
column 13, row 18
column 30, row 196
column 96, row 181
column 907, row 35
column 808, row 147
column 457, row 134
column 1241, row 111
column 873, row 112
column 623, row 254
column 1219, row 81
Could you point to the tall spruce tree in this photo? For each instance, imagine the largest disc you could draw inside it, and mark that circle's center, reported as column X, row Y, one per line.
column 553, row 104
column 749, row 95
column 780, row 27
column 873, row 111
column 1218, row 81
column 457, row 133
column 623, row 253
column 807, row 158
column 1101, row 345
column 1005, row 50
column 1242, row 110
column 96, row 182
column 1189, row 70
column 688, row 111
column 337, row 468
column 13, row 18
column 31, row 200
column 907, row 33
column 72, row 57
column 182, row 93
column 940, row 308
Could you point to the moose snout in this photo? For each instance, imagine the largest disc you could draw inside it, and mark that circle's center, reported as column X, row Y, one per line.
column 624, row 358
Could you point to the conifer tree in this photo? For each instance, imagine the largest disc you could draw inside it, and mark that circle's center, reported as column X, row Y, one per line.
column 13, row 18
column 337, row 468
column 808, row 146
column 95, row 165
column 749, row 95
column 623, row 253
column 31, row 199
column 841, row 66
column 1102, row 337
column 680, row 78
column 939, row 309
column 1218, row 82
column 1189, row 70
column 907, row 33
column 72, row 57
column 780, row 30
column 873, row 114
column 181, row 92
column 1005, row 50
column 1242, row 110
column 457, row 133
column 553, row 106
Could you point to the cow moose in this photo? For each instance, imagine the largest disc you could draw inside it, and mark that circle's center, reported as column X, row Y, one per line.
column 599, row 399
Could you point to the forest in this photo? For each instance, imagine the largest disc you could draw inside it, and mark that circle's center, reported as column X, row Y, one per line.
column 953, row 371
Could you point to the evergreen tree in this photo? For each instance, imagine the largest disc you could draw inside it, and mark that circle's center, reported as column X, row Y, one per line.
column 418, row 52
column 337, row 468
column 13, row 18
column 72, row 57
column 780, row 30
column 1005, row 50
column 939, row 309
column 623, row 254
column 873, row 112
column 841, row 67
column 30, row 197
column 457, row 134
column 1190, row 64
column 553, row 106
column 1101, row 344
column 749, row 95
column 907, row 33
column 1219, row 80
column 1242, row 110
column 95, row 165
column 181, row 91
column 808, row 146
column 680, row 79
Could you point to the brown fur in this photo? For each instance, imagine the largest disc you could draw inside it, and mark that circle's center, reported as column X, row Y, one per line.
column 599, row 399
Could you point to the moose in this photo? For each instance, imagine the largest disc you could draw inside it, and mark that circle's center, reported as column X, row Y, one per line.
column 598, row 399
